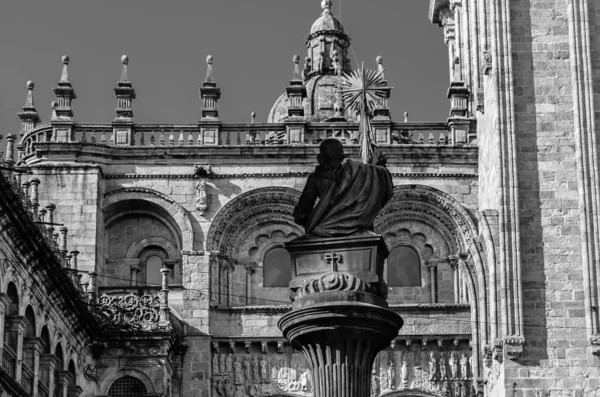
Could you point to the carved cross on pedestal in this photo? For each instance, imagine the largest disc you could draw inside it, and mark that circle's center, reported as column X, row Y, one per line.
column 333, row 258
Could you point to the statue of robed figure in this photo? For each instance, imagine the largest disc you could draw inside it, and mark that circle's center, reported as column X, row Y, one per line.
column 350, row 192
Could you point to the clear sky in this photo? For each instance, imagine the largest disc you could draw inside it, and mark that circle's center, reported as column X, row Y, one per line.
column 252, row 42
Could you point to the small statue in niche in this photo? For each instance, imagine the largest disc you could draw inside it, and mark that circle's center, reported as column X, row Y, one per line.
column 432, row 365
column 443, row 370
column 255, row 370
column 248, row 370
column 464, row 366
column 215, row 364
column 201, row 197
column 392, row 375
column 264, row 371
column 228, row 365
column 239, row 375
column 374, row 384
column 304, row 381
column 453, row 365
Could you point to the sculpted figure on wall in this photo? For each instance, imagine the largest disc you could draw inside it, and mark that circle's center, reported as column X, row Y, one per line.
column 201, row 196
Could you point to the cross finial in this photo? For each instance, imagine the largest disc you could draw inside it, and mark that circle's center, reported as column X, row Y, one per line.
column 125, row 62
column 64, row 77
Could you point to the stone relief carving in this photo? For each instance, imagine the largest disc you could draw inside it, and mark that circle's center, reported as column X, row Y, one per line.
column 333, row 281
column 439, row 369
column 129, row 311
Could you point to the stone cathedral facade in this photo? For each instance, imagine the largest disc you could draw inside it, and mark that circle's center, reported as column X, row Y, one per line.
column 149, row 260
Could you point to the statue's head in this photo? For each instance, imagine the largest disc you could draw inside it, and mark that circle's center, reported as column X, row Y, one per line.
column 331, row 151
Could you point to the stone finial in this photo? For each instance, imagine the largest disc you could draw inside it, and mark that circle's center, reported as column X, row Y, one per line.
column 125, row 95
column 296, row 91
column 125, row 62
column 209, row 93
column 252, row 117
column 379, row 60
column 406, row 117
column 64, row 76
column 29, row 116
column 326, row 5
column 296, row 75
column 209, row 71
column 64, row 96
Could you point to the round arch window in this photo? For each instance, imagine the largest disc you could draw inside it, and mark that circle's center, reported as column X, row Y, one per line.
column 404, row 267
column 277, row 268
column 127, row 386
column 153, row 274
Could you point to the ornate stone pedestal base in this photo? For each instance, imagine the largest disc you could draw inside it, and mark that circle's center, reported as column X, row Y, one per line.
column 340, row 341
column 340, row 319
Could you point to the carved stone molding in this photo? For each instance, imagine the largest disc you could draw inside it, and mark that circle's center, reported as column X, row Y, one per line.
column 513, row 345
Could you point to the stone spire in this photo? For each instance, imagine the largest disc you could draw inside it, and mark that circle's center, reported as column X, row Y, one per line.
column 29, row 116
column 209, row 93
column 125, row 93
column 64, row 93
column 382, row 110
column 62, row 115
column 123, row 124
column 296, row 91
column 327, row 36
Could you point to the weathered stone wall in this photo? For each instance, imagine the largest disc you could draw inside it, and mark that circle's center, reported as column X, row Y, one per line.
column 552, row 273
column 75, row 192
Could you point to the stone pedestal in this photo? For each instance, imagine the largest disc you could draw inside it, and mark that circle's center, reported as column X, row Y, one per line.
column 340, row 319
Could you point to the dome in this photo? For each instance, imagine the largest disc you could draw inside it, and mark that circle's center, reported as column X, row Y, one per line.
column 326, row 22
column 318, row 106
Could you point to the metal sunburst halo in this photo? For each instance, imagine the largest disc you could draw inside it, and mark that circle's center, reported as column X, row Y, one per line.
column 362, row 90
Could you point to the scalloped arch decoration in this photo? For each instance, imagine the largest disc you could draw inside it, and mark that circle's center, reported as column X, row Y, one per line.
column 259, row 206
column 177, row 212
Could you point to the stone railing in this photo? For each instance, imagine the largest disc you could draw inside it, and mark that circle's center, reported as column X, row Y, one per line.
column 251, row 134
column 27, row 378
column 9, row 359
column 43, row 390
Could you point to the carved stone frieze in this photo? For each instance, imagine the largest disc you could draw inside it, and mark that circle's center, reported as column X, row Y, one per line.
column 268, row 368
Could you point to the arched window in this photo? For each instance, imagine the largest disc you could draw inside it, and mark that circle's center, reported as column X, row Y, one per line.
column 29, row 344
column 127, row 386
column 153, row 265
column 404, row 267
column 60, row 365
column 11, row 335
column 277, row 268
column 73, row 373
column 45, row 359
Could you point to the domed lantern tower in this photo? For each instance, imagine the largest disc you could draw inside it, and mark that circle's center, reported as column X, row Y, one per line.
column 326, row 37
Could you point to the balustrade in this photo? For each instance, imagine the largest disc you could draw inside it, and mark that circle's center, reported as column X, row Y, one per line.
column 9, row 360
column 252, row 134
column 43, row 390
column 27, row 378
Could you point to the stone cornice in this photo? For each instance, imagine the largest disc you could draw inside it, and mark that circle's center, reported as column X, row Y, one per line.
column 283, row 175
column 417, row 307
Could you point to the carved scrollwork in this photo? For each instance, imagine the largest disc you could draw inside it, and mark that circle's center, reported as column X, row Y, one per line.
column 129, row 311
